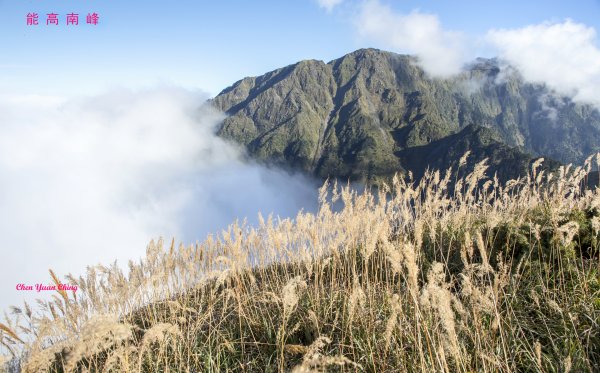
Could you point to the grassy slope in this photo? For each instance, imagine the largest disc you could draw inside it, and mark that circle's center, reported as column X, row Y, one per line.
column 488, row 279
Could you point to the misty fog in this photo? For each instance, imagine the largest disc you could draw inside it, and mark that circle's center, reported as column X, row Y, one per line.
column 92, row 180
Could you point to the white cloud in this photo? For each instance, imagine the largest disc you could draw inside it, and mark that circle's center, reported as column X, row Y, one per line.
column 564, row 55
column 550, row 105
column 329, row 4
column 441, row 52
column 92, row 180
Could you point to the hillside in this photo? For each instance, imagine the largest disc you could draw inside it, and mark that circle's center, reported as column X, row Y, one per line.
column 368, row 114
column 499, row 279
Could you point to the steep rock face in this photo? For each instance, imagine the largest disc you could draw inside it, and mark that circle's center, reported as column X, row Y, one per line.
column 372, row 113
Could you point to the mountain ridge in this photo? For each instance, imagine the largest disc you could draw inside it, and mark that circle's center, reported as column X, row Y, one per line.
column 359, row 117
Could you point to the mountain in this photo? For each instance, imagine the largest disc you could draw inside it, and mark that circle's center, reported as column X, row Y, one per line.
column 372, row 113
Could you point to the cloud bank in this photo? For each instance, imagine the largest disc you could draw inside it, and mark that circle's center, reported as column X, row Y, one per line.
column 441, row 52
column 92, row 180
column 564, row 55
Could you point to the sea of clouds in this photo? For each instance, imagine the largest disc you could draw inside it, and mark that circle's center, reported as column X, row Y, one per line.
column 92, row 180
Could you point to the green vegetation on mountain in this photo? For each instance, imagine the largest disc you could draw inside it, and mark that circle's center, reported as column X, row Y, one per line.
column 373, row 113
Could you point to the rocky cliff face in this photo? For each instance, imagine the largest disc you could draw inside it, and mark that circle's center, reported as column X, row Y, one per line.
column 372, row 113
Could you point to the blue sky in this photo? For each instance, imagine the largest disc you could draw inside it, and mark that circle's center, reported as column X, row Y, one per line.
column 210, row 44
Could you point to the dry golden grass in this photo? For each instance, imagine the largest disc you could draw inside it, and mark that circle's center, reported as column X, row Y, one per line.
column 413, row 277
